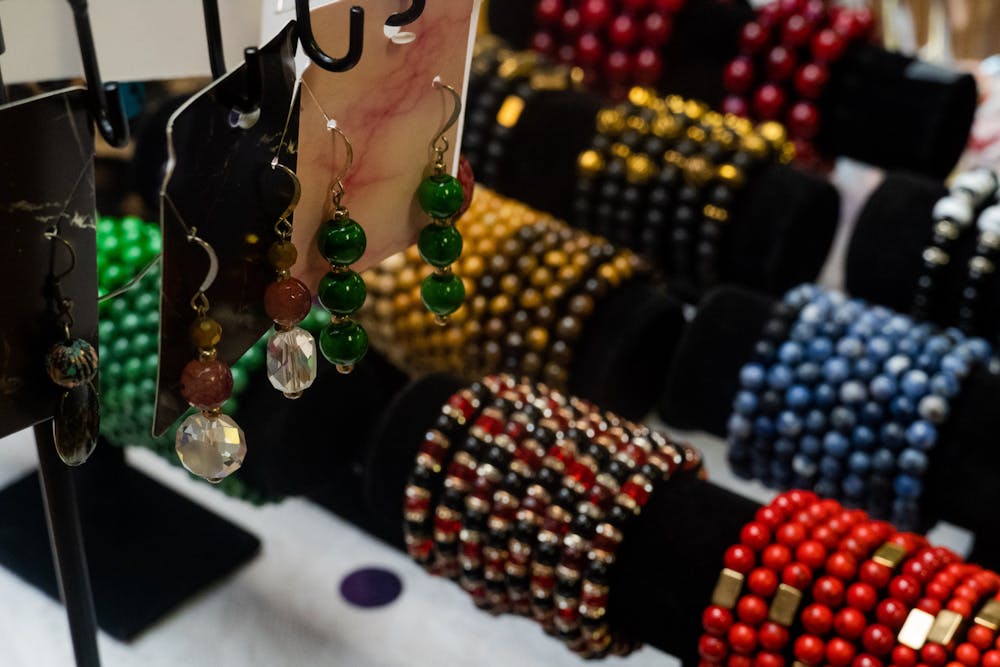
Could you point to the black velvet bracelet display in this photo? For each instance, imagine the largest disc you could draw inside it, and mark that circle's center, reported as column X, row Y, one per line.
column 960, row 484
column 668, row 562
column 883, row 108
column 782, row 224
column 884, row 258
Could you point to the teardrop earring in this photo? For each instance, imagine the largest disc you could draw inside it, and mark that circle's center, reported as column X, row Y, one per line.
column 342, row 291
column 291, row 350
column 72, row 364
column 209, row 443
column 440, row 243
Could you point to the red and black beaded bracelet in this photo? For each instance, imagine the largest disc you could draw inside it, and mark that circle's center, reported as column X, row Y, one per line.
column 429, row 467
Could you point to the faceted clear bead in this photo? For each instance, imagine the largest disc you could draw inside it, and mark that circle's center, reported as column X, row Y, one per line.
column 211, row 446
column 291, row 361
column 77, row 424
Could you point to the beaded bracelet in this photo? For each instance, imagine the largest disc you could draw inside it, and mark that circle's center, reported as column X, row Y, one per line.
column 952, row 214
column 784, row 65
column 852, row 404
column 429, row 469
column 981, row 266
column 530, row 320
column 616, row 43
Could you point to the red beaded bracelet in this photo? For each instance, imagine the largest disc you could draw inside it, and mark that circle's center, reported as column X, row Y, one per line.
column 783, row 66
column 617, row 42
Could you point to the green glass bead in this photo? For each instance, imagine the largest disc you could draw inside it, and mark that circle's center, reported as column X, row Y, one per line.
column 147, row 386
column 342, row 292
column 134, row 257
column 342, row 242
column 119, row 347
column 112, row 275
column 344, row 343
column 440, row 245
column 143, row 343
column 145, row 301
column 240, row 379
column 105, row 329
column 133, row 369
column 442, row 295
column 254, row 357
column 130, row 323
column 441, row 196
column 154, row 244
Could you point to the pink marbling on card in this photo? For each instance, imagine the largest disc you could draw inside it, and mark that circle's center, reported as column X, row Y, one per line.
column 390, row 109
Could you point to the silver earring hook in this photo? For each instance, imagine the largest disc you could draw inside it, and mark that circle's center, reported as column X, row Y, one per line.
column 297, row 188
column 338, row 183
column 54, row 236
column 440, row 143
column 213, row 264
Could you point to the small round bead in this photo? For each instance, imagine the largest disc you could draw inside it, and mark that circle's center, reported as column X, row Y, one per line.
column 739, row 558
column 934, row 655
column 282, row 255
column 755, row 535
column 206, row 385
column 876, row 574
column 817, row 619
column 742, row 638
column 829, row 591
column 839, row 652
column 849, row 623
column 991, row 659
column 440, row 196
column 716, row 620
column 442, row 295
column 344, row 343
column 796, row 575
column 967, row 654
column 341, row 241
column 763, row 582
column 878, row 639
column 904, row 656
column 287, row 301
column 205, row 333
column 439, row 245
column 811, row 553
column 776, row 557
column 772, row 636
column 751, row 609
column 72, row 364
column 892, row 613
column 712, row 648
column 842, row 565
column 905, row 588
column 809, row 649
column 791, row 534
column 342, row 292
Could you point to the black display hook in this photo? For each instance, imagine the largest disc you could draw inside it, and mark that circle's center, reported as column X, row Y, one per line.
column 3, row 88
column 316, row 53
column 253, row 83
column 408, row 16
column 106, row 104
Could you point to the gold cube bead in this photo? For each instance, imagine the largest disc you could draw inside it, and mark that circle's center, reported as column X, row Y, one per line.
column 890, row 555
column 785, row 605
column 946, row 626
column 915, row 630
column 727, row 588
column 989, row 615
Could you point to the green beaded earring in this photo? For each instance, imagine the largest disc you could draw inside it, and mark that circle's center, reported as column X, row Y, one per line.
column 342, row 291
column 440, row 243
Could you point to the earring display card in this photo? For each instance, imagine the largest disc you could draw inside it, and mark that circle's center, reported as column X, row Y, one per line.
column 47, row 164
column 390, row 110
column 220, row 182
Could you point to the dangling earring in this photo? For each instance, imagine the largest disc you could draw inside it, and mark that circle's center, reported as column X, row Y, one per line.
column 291, row 350
column 440, row 243
column 342, row 291
column 209, row 444
column 72, row 364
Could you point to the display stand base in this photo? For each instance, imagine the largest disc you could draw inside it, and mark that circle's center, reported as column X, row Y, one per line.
column 149, row 549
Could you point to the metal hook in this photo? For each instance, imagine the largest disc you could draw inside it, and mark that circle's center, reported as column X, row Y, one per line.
column 456, row 113
column 3, row 88
column 297, row 188
column 253, row 73
column 213, row 261
column 316, row 53
column 338, row 184
column 408, row 16
column 106, row 104
column 54, row 236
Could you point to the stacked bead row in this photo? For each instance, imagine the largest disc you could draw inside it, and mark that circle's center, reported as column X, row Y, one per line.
column 847, row 400
column 617, row 42
column 855, row 590
column 523, row 495
column 784, row 64
column 129, row 334
column 502, row 84
column 531, row 283
column 663, row 174
column 971, row 199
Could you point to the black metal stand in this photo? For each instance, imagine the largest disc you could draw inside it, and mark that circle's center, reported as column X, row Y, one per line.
column 66, row 536
column 149, row 549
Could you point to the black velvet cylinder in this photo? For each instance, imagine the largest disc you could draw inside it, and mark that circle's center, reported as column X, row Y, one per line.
column 960, row 484
column 782, row 224
column 883, row 108
column 667, row 564
column 884, row 258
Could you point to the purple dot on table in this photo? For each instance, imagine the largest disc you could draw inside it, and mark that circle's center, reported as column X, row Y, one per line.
column 371, row 587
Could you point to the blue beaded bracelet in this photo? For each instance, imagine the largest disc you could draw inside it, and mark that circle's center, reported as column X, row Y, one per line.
column 848, row 402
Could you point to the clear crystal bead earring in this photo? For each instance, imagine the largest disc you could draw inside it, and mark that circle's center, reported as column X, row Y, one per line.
column 291, row 350
column 209, row 443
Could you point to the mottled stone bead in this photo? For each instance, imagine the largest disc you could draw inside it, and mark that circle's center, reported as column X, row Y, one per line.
column 71, row 364
column 206, row 385
column 282, row 255
column 287, row 301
